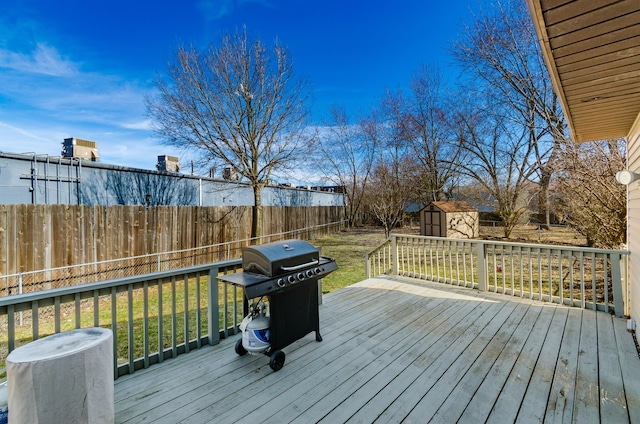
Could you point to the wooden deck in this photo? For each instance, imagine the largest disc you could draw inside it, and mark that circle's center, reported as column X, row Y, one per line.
column 403, row 350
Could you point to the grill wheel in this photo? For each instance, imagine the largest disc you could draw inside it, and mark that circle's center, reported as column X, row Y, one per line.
column 277, row 360
column 240, row 350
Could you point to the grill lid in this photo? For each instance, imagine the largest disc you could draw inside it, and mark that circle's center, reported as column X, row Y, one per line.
column 273, row 259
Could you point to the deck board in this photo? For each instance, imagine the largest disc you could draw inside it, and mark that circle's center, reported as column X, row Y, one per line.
column 491, row 386
column 562, row 393
column 467, row 358
column 628, row 355
column 613, row 403
column 586, row 400
column 500, row 353
column 403, row 350
column 512, row 393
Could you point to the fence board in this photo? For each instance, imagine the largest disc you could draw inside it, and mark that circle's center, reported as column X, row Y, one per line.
column 36, row 237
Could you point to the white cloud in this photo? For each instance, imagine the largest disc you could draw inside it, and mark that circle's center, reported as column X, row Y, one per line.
column 46, row 99
column 21, row 131
column 139, row 125
column 45, row 60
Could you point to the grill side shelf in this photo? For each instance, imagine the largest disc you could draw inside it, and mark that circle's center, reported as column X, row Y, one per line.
column 256, row 285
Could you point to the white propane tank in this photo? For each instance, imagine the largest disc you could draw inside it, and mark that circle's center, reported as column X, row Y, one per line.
column 255, row 331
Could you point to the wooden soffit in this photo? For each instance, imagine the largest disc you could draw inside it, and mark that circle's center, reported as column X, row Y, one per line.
column 592, row 51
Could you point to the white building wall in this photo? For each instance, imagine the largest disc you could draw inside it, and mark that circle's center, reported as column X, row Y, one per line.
column 633, row 221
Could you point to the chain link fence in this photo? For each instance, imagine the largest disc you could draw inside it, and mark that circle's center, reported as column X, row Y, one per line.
column 52, row 278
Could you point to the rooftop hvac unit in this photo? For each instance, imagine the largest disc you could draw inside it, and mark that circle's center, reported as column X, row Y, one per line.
column 80, row 149
column 168, row 163
column 230, row 174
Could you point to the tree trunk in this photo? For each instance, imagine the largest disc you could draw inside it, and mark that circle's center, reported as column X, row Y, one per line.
column 544, row 214
column 256, row 219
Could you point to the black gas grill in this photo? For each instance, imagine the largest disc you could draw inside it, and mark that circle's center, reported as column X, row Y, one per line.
column 287, row 273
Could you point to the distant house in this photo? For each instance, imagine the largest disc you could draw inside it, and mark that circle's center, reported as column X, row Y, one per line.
column 449, row 219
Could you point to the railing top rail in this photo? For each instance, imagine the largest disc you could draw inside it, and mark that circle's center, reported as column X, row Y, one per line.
column 116, row 282
column 510, row 243
column 377, row 248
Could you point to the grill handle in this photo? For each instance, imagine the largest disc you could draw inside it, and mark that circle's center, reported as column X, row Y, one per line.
column 297, row 267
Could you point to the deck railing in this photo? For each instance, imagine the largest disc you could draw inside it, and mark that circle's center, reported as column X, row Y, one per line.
column 576, row 276
column 153, row 317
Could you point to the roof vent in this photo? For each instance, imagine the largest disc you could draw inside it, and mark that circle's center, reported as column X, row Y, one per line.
column 168, row 163
column 230, row 174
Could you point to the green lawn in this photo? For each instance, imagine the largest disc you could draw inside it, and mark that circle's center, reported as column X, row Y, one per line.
column 348, row 249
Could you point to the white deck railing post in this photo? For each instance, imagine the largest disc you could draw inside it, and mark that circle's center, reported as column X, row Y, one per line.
column 367, row 267
column 625, row 283
column 616, row 282
column 482, row 266
column 394, row 255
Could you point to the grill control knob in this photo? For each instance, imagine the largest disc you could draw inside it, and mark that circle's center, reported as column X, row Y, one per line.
column 281, row 282
column 309, row 273
column 291, row 279
column 317, row 271
column 300, row 276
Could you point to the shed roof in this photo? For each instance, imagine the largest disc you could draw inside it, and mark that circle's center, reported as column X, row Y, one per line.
column 456, row 206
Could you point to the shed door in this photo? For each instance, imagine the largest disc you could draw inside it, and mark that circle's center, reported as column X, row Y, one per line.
column 432, row 223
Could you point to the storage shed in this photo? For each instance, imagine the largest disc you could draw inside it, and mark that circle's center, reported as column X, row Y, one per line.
column 449, row 219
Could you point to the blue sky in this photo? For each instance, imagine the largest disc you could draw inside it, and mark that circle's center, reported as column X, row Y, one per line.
column 71, row 68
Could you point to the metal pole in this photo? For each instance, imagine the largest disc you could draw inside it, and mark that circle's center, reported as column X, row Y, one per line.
column 34, row 179
column 46, row 180
column 78, row 194
column 58, row 180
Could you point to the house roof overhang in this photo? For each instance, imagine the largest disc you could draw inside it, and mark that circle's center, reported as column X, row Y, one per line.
column 592, row 51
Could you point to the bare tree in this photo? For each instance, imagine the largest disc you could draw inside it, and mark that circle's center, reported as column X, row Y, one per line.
column 346, row 158
column 238, row 104
column 394, row 177
column 390, row 187
column 500, row 50
column 498, row 157
column 430, row 136
column 588, row 196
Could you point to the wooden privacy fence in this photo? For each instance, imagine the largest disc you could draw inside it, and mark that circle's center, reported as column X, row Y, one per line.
column 36, row 237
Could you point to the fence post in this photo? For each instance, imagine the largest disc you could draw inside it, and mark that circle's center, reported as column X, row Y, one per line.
column 482, row 266
column 616, row 282
column 394, row 255
column 213, row 310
